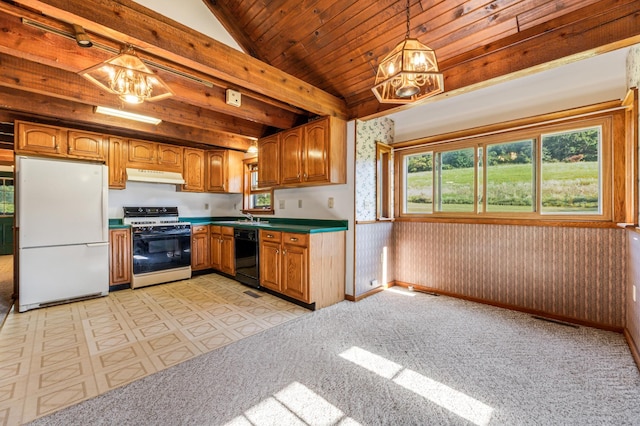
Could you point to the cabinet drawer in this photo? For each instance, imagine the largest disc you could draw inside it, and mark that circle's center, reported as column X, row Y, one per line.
column 199, row 229
column 295, row 239
column 215, row 229
column 275, row 236
column 226, row 230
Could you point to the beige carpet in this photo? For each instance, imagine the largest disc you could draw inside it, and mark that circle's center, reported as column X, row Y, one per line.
column 391, row 359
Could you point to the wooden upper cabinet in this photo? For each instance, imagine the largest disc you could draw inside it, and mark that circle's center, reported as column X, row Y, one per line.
column 317, row 144
column 141, row 153
column 154, row 156
column 324, row 157
column 312, row 154
column 224, row 171
column 116, row 161
column 170, row 157
column 32, row 138
column 269, row 161
column 193, row 170
column 85, row 145
column 215, row 171
column 291, row 147
column 39, row 139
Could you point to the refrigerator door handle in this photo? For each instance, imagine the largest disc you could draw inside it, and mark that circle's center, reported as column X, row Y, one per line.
column 97, row 244
column 105, row 203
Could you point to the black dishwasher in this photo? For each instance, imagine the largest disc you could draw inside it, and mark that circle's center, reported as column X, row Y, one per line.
column 247, row 269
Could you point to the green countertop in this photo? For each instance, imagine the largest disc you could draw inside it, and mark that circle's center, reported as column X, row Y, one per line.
column 305, row 226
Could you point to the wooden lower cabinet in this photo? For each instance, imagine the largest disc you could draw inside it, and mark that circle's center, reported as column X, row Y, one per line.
column 306, row 267
column 227, row 252
column 295, row 266
column 119, row 256
column 222, row 249
column 200, row 254
column 270, row 260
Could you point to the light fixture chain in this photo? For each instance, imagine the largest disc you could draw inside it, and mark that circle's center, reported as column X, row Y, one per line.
column 408, row 18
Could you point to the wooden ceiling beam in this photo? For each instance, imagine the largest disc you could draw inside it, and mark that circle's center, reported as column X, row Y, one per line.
column 17, row 103
column 44, row 47
column 600, row 28
column 128, row 22
column 36, row 78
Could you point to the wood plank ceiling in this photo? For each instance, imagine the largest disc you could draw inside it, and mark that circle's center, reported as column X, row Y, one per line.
column 303, row 58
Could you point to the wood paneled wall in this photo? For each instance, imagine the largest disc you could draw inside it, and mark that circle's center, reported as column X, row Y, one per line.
column 577, row 273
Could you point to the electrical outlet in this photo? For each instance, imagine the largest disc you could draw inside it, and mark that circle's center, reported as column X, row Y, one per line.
column 374, row 283
column 330, row 202
column 281, row 204
column 299, row 204
column 206, row 206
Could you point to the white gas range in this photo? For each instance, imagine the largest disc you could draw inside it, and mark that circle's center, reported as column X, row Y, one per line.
column 161, row 245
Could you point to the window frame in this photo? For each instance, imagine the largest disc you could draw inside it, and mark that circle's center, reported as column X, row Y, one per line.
column 247, row 191
column 612, row 169
column 384, row 181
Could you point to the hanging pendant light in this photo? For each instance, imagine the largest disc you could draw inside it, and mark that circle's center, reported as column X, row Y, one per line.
column 409, row 73
column 128, row 77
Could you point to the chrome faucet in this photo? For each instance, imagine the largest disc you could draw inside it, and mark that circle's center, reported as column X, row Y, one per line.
column 249, row 216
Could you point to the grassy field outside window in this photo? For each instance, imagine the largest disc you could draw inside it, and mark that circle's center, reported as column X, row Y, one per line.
column 550, row 173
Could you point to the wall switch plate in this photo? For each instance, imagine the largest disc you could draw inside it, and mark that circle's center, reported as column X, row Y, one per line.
column 299, row 204
column 330, row 202
column 234, row 98
column 281, row 204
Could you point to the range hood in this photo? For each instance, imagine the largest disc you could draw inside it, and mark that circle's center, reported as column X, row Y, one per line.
column 156, row 176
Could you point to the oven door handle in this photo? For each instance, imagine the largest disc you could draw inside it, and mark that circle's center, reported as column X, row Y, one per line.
column 166, row 235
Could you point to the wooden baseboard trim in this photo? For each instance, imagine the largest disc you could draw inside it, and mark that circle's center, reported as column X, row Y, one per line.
column 536, row 312
column 632, row 347
column 364, row 295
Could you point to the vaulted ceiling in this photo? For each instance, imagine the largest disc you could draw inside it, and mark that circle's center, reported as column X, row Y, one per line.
column 302, row 58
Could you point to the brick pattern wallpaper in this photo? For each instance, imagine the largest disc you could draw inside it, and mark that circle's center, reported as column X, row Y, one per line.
column 577, row 273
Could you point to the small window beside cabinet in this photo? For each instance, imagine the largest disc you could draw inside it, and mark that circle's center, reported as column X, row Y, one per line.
column 255, row 199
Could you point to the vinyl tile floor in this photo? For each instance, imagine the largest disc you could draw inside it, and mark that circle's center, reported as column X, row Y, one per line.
column 52, row 358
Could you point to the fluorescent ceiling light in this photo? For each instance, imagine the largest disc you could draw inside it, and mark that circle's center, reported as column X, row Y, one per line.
column 128, row 115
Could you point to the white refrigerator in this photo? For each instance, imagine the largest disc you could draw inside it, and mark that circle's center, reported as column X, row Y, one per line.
column 63, row 231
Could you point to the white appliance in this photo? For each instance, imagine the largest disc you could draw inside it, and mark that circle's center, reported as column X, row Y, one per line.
column 63, row 231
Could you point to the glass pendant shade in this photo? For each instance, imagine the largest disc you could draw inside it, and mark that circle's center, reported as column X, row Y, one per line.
column 407, row 74
column 128, row 77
